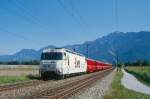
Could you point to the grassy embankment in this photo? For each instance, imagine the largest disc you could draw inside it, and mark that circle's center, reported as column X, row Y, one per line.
column 118, row 91
column 17, row 74
column 141, row 73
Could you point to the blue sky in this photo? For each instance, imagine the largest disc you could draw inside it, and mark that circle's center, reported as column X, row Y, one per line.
column 37, row 23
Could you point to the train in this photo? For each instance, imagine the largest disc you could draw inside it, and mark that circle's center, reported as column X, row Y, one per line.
column 61, row 62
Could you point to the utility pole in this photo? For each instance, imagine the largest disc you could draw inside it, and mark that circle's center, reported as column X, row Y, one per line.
column 116, row 15
column 87, row 50
column 74, row 49
column 115, row 56
column 117, row 60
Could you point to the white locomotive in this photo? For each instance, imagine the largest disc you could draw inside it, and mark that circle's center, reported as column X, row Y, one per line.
column 59, row 62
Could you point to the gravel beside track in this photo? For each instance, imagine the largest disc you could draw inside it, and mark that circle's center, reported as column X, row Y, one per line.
column 97, row 90
column 19, row 93
column 65, row 90
column 12, row 91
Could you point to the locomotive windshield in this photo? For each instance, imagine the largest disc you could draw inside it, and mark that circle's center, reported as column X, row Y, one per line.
column 52, row 56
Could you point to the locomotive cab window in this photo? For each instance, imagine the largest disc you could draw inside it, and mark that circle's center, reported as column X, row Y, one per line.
column 52, row 56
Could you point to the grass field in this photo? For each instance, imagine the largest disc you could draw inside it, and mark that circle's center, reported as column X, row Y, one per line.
column 118, row 91
column 13, row 74
column 19, row 70
column 141, row 73
column 12, row 79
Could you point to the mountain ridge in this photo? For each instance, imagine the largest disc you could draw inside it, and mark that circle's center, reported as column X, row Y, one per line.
column 130, row 46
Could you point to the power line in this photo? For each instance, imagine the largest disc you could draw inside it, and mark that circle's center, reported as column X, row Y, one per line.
column 66, row 10
column 69, row 13
column 19, row 36
column 20, row 15
column 28, row 13
column 35, row 20
column 116, row 15
column 78, row 14
column 87, row 50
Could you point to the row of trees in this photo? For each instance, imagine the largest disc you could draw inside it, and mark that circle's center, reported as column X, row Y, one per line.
column 32, row 62
column 138, row 63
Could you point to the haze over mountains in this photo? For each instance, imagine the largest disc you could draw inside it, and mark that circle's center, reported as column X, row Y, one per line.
column 130, row 46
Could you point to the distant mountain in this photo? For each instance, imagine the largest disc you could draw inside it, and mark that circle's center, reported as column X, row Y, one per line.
column 24, row 54
column 130, row 46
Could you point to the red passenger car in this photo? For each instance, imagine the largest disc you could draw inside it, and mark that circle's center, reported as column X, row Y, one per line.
column 99, row 65
column 107, row 65
column 91, row 65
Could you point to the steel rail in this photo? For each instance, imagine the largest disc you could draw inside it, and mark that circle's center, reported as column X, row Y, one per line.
column 63, row 91
column 20, row 85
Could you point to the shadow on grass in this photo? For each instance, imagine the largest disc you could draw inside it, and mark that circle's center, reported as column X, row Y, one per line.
column 37, row 77
column 49, row 77
column 34, row 77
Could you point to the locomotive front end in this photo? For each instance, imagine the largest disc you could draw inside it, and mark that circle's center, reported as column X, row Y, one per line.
column 51, row 64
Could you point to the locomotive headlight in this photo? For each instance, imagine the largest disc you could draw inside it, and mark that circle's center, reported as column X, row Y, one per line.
column 60, row 70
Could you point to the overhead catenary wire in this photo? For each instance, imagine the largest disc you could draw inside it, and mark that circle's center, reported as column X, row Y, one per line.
column 20, row 36
column 65, row 9
column 78, row 14
column 112, row 49
column 70, row 14
column 114, row 52
column 116, row 16
column 26, row 11
column 26, row 14
column 17, row 14
column 35, row 20
column 29, row 14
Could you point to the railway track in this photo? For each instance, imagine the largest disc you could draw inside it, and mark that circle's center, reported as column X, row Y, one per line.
column 20, row 85
column 65, row 90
